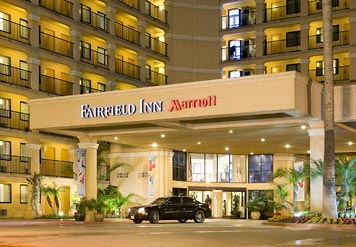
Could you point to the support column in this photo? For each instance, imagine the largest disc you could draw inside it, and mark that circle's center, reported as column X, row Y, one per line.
column 111, row 14
column 34, row 153
column 142, row 64
column 304, row 66
column 260, row 43
column 75, row 79
column 142, row 30
column 111, row 60
column 316, row 134
column 260, row 5
column 217, row 203
column 34, row 24
column 304, row 33
column 34, row 67
column 75, row 39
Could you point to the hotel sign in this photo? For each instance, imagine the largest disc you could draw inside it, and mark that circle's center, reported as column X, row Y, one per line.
column 144, row 107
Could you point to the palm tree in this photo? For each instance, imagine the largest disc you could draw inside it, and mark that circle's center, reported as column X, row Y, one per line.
column 52, row 193
column 345, row 178
column 329, row 191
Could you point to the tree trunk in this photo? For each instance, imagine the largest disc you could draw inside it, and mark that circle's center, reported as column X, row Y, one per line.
column 329, row 193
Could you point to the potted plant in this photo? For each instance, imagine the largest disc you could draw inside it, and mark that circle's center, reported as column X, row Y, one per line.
column 235, row 211
column 79, row 215
column 255, row 206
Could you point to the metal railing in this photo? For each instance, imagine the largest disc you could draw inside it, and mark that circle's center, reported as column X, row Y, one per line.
column 94, row 57
column 14, row 120
column 131, row 3
column 237, row 21
column 127, row 69
column 156, row 45
column 54, row 85
column 234, row 53
column 57, row 45
column 341, row 74
column 15, row 31
column 97, row 20
column 155, row 12
column 280, row 46
column 56, row 168
column 16, row 76
column 281, row 12
column 315, row 7
column 155, row 78
column 15, row 164
column 340, row 38
column 127, row 33
column 86, row 90
column 63, row 7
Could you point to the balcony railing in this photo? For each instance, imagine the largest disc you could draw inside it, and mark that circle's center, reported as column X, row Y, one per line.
column 156, row 45
column 94, row 57
column 15, row 31
column 237, row 21
column 56, row 86
column 281, row 12
column 315, row 6
column 281, row 46
column 127, row 33
column 57, row 45
column 340, row 38
column 155, row 78
column 127, row 69
column 63, row 7
column 16, row 76
column 85, row 90
column 97, row 20
column 131, row 3
column 155, row 12
column 14, row 120
column 234, row 53
column 15, row 164
column 56, row 168
column 341, row 74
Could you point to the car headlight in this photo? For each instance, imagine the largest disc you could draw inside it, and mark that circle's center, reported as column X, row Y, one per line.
column 141, row 210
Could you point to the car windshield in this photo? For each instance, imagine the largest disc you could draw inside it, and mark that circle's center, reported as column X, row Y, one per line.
column 160, row 200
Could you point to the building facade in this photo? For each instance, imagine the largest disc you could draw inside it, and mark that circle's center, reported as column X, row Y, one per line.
column 55, row 48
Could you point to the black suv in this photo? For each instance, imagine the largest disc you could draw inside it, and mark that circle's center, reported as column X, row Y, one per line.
column 181, row 208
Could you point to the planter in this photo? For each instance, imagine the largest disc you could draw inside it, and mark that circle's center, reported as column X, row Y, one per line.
column 99, row 217
column 79, row 216
column 255, row 215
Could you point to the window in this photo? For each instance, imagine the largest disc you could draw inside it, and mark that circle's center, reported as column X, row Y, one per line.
column 101, row 87
column 85, row 50
column 5, row 20
column 319, row 4
column 23, row 152
column 224, row 168
column 293, row 7
column 320, row 67
column 23, row 194
column 5, row 67
column 260, row 168
column 85, row 86
column 24, row 111
column 320, row 37
column 23, row 70
column 336, row 32
column 5, row 107
column 234, row 18
column 85, row 14
column 293, row 39
column 5, row 150
column 179, row 166
column 335, row 66
column 101, row 21
column 148, row 72
column 5, row 193
column 102, row 56
column 293, row 67
column 24, row 29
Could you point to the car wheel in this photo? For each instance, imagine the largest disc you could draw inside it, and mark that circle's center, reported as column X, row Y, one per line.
column 199, row 216
column 137, row 221
column 153, row 217
column 182, row 220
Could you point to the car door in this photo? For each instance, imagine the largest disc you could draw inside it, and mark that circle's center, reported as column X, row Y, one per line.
column 171, row 209
column 187, row 208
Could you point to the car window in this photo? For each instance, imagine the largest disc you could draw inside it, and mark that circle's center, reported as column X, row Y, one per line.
column 188, row 200
column 160, row 200
column 174, row 200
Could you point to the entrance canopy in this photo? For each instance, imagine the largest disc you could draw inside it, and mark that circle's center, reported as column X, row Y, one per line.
column 259, row 114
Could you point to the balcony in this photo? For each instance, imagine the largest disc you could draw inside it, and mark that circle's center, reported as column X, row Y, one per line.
column 127, row 33
column 57, row 45
column 131, row 3
column 99, row 59
column 155, row 78
column 86, row 90
column 96, row 20
column 15, row 164
column 55, row 86
column 238, row 20
column 15, row 31
column 234, row 53
column 56, row 168
column 13, row 75
column 127, row 69
column 155, row 12
column 14, row 120
column 156, row 45
column 281, row 12
column 315, row 6
column 281, row 46
column 340, row 38
column 341, row 74
column 63, row 7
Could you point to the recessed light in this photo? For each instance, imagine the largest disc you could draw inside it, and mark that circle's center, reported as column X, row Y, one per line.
column 199, row 143
column 263, row 140
column 350, row 143
column 163, row 135
column 227, row 148
column 116, row 138
column 303, row 127
column 287, row 146
column 231, row 131
column 154, row 144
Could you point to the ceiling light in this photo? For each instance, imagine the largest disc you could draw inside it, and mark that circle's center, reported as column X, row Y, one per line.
column 199, row 143
column 115, row 138
column 263, row 140
column 303, row 127
column 350, row 143
column 287, row 146
column 154, row 144
column 227, row 148
column 231, row 131
column 163, row 135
